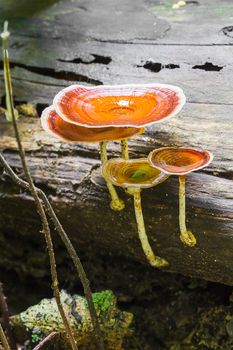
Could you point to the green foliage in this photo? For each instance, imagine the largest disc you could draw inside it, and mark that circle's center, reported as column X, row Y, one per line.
column 103, row 301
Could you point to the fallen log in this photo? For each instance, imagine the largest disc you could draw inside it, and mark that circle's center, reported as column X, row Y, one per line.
column 70, row 174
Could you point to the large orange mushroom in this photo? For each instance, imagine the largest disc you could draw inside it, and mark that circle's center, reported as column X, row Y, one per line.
column 58, row 127
column 135, row 175
column 180, row 161
column 132, row 105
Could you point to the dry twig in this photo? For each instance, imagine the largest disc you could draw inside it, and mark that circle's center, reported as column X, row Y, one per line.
column 6, row 319
column 45, row 341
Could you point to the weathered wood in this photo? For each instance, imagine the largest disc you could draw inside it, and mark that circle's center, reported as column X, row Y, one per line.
column 74, row 41
column 70, row 173
column 200, row 86
column 55, row 47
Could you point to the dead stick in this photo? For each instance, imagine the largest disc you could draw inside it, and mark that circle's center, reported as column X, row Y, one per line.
column 6, row 319
column 3, row 339
column 45, row 341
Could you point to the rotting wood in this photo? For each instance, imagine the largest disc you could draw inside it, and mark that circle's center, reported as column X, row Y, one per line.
column 70, row 174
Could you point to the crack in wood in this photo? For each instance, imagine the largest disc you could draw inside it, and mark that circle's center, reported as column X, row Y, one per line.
column 157, row 67
column 209, row 67
column 228, row 31
column 150, row 43
column 60, row 75
column 211, row 103
column 99, row 59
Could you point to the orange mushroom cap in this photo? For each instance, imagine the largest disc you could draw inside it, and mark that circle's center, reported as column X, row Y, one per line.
column 133, row 173
column 118, row 105
column 179, row 161
column 55, row 125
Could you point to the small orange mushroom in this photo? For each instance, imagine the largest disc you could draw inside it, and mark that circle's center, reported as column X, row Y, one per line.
column 118, row 105
column 181, row 161
column 58, row 127
column 135, row 175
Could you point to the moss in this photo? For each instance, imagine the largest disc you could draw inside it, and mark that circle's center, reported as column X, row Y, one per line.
column 36, row 337
column 28, row 110
column 103, row 301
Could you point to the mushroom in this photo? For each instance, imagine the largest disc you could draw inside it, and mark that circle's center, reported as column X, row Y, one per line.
column 58, row 127
column 135, row 105
column 135, row 175
column 181, row 161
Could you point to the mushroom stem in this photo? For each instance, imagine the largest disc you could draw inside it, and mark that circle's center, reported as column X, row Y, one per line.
column 116, row 203
column 154, row 261
column 3, row 339
column 125, row 155
column 124, row 149
column 186, row 236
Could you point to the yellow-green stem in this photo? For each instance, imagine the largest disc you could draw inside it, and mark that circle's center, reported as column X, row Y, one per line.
column 3, row 339
column 124, row 149
column 125, row 155
column 116, row 203
column 6, row 68
column 186, row 236
column 155, row 261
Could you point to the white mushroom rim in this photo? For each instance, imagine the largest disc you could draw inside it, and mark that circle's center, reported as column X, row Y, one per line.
column 44, row 122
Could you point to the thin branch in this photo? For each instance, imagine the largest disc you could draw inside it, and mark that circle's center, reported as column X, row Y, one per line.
column 3, row 339
column 70, row 248
column 45, row 341
column 39, row 206
column 6, row 319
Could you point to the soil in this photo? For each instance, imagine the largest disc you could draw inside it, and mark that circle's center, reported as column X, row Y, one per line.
column 171, row 312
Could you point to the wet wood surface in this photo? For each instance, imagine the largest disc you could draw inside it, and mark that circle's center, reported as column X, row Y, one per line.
column 55, row 44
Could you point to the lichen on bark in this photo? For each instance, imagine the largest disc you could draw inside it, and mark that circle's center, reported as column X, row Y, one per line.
column 40, row 320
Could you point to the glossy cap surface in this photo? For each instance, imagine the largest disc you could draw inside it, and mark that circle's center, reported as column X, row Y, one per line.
column 179, row 161
column 56, row 126
column 134, row 173
column 119, row 105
